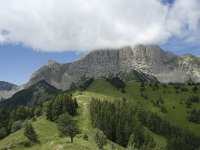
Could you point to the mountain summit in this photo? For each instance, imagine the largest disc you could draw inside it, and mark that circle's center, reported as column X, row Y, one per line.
column 148, row 61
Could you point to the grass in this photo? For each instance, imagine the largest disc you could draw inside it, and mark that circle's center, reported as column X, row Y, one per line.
column 49, row 136
column 176, row 112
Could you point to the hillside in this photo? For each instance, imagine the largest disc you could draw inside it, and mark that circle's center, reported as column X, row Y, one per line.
column 176, row 113
column 49, row 136
column 33, row 95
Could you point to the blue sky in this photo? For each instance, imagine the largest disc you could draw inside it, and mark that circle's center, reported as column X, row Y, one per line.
column 17, row 63
column 34, row 31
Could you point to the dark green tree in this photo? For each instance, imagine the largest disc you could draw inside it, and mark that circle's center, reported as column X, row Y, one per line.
column 4, row 118
column 16, row 125
column 3, row 132
column 67, row 126
column 38, row 112
column 48, row 111
column 100, row 138
column 29, row 132
column 75, row 103
column 195, row 89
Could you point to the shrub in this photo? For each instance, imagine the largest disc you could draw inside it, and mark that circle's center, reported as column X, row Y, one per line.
column 30, row 133
column 163, row 109
column 3, row 132
column 85, row 137
column 100, row 138
column 38, row 112
column 16, row 126
column 26, row 143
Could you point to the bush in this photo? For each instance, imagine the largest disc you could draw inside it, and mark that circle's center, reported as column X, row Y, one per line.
column 163, row 109
column 38, row 112
column 85, row 137
column 195, row 89
column 194, row 116
column 3, row 132
column 75, row 103
column 26, row 143
column 33, row 119
column 100, row 138
column 30, row 133
column 16, row 126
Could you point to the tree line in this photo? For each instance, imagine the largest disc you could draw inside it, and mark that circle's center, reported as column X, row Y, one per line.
column 117, row 83
column 11, row 121
column 122, row 122
column 63, row 103
column 117, row 121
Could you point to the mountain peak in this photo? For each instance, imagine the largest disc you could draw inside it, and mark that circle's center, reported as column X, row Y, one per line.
column 148, row 59
column 52, row 63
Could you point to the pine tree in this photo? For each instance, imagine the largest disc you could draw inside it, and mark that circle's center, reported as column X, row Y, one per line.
column 67, row 126
column 3, row 118
column 21, row 113
column 195, row 89
column 48, row 111
column 38, row 112
column 30, row 133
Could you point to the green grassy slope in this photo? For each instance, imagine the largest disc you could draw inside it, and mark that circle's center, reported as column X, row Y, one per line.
column 49, row 136
column 176, row 112
column 176, row 115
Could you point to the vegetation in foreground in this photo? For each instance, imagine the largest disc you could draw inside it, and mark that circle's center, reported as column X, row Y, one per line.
column 176, row 105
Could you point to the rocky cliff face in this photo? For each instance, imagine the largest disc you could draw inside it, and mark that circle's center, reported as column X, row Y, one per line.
column 147, row 60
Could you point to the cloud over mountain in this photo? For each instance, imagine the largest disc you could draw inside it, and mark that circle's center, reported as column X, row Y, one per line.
column 59, row 25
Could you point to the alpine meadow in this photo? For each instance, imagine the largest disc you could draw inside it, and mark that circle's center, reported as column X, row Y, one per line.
column 100, row 75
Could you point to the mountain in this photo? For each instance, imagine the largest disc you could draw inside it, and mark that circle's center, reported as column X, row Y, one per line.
column 8, row 89
column 141, row 62
column 32, row 95
column 146, row 63
column 6, row 86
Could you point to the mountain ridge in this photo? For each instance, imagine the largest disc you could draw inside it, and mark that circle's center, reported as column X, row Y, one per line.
column 146, row 63
column 33, row 95
column 147, row 59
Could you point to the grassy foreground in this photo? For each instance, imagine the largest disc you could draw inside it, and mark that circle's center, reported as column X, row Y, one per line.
column 49, row 136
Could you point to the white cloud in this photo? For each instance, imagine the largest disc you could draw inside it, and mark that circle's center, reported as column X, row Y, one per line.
column 58, row 25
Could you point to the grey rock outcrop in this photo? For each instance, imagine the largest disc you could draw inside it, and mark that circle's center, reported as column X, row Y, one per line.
column 149, row 60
